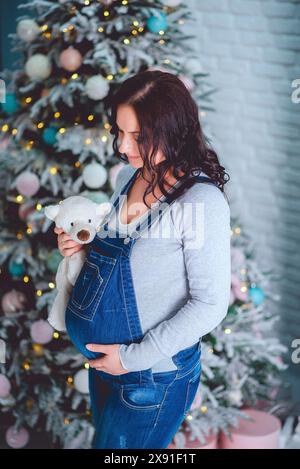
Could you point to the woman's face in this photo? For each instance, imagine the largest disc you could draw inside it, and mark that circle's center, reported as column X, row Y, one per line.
column 128, row 134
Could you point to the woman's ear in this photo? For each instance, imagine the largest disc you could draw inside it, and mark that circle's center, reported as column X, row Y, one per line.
column 104, row 208
column 51, row 211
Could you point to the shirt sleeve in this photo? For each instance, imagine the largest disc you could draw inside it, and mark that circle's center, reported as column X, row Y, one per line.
column 204, row 228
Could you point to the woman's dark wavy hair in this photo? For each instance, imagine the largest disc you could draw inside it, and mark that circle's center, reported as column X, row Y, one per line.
column 169, row 121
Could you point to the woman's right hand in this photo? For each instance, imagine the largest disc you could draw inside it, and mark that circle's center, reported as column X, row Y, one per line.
column 66, row 245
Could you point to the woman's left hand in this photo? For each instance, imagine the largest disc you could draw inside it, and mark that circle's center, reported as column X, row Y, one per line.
column 110, row 363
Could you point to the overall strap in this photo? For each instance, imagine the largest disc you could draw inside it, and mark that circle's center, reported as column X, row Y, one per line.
column 116, row 203
column 164, row 202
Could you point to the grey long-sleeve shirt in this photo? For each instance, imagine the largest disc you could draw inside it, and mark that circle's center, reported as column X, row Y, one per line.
column 181, row 269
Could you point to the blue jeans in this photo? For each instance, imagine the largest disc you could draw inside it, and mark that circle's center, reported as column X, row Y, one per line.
column 138, row 415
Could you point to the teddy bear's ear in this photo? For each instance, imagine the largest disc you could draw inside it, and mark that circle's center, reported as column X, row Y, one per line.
column 51, row 211
column 104, row 208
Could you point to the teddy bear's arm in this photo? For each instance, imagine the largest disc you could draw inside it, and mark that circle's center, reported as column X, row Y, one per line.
column 75, row 265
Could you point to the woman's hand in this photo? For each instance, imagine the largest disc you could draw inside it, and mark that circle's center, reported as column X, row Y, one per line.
column 66, row 245
column 110, row 363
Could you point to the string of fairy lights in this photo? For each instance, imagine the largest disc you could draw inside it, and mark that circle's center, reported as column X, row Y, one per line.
column 46, row 33
column 28, row 145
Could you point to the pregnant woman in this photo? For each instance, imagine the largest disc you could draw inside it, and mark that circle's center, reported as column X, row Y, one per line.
column 156, row 277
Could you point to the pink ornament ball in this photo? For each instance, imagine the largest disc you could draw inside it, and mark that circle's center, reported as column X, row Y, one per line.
column 5, row 387
column 236, row 291
column 235, row 281
column 45, row 92
column 240, row 295
column 70, row 59
column 237, row 257
column 25, row 210
column 27, row 184
column 4, row 143
column 158, row 68
column 17, row 438
column 232, row 298
column 13, row 301
column 41, row 332
column 188, row 83
column 107, row 2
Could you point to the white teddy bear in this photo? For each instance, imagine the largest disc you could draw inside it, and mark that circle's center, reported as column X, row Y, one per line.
column 80, row 218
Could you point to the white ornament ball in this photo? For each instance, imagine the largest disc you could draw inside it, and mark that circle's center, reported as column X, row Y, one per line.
column 17, row 438
column 27, row 30
column 5, row 387
column 171, row 3
column 27, row 183
column 81, row 381
column 94, row 175
column 38, row 67
column 70, row 59
column 41, row 332
column 193, row 65
column 96, row 87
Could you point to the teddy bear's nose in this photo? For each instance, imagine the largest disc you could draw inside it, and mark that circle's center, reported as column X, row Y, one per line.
column 83, row 235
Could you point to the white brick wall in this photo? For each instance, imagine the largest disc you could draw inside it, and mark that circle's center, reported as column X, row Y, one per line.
column 252, row 51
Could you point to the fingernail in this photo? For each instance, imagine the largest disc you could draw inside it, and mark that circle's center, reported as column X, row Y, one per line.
column 89, row 347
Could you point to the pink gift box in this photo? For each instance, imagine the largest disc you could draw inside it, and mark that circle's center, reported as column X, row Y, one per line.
column 261, row 433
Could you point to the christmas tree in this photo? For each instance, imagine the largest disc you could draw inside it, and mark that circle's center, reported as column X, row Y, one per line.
column 56, row 142
column 242, row 357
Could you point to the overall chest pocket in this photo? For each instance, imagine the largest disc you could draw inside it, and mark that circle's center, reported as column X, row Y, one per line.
column 90, row 285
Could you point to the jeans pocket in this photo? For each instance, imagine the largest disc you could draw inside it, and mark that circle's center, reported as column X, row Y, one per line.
column 192, row 387
column 90, row 285
column 142, row 396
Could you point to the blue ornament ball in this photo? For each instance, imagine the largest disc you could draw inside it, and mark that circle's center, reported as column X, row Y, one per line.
column 16, row 269
column 157, row 23
column 257, row 295
column 11, row 104
column 49, row 135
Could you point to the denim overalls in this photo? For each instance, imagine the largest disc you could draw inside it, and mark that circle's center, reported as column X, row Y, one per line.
column 138, row 409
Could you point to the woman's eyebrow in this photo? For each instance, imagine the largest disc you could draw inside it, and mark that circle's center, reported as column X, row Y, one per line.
column 133, row 132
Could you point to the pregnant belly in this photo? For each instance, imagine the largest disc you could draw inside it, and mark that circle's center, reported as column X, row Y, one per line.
column 107, row 327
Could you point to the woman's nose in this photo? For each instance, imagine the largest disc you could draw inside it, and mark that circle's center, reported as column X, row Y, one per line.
column 125, row 146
